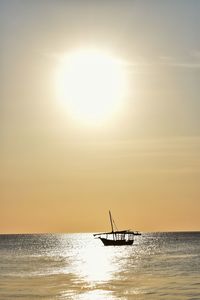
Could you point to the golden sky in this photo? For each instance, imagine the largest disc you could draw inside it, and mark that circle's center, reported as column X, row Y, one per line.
column 60, row 174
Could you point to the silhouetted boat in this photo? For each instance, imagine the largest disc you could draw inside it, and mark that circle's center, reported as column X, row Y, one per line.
column 116, row 237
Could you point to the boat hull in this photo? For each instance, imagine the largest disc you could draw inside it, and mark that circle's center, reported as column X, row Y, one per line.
column 108, row 242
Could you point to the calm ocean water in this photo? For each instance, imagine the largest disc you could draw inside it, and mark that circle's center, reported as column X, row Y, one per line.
column 77, row 266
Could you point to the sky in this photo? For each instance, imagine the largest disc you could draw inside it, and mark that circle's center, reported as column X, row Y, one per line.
column 58, row 174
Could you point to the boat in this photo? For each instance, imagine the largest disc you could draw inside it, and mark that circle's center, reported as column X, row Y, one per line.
column 116, row 237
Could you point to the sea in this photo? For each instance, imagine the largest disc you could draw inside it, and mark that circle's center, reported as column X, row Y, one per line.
column 77, row 266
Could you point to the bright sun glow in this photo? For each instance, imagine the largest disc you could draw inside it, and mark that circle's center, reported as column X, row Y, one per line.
column 92, row 84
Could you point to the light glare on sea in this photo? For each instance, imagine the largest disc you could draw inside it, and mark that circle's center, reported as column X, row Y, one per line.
column 77, row 266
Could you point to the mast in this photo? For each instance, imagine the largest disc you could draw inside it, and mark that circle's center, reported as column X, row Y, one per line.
column 111, row 222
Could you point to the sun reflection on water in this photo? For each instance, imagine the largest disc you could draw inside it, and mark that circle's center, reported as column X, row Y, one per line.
column 96, row 264
column 96, row 295
column 97, row 269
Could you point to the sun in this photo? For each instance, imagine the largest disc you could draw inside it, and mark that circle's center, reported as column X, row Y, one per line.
column 92, row 84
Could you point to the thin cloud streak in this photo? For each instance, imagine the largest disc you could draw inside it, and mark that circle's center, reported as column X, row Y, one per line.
column 192, row 62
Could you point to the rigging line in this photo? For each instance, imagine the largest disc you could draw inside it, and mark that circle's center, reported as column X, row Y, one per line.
column 115, row 224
